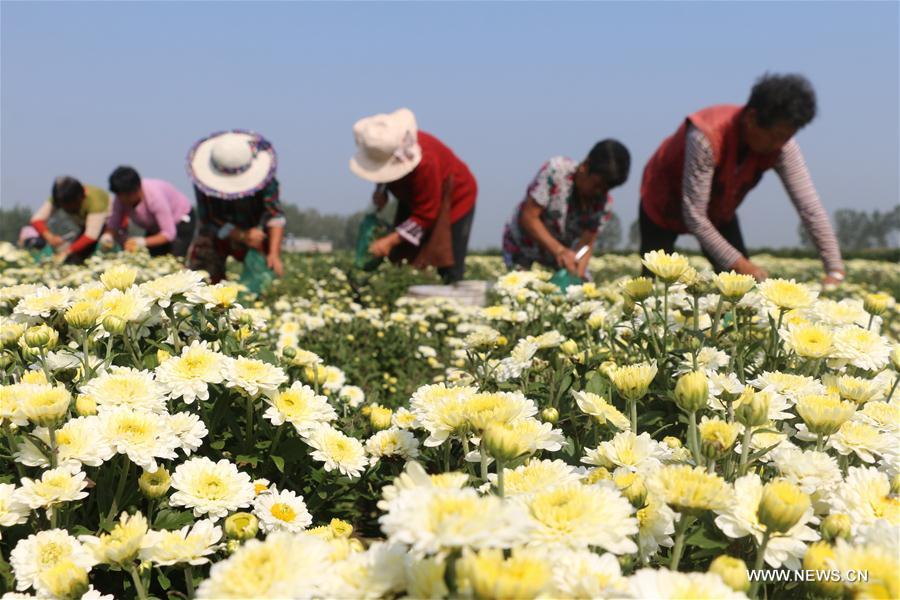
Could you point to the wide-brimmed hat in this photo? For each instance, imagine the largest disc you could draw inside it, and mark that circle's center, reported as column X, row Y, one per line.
column 232, row 164
column 387, row 146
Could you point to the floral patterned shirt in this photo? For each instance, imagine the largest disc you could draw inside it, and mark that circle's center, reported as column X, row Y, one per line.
column 553, row 189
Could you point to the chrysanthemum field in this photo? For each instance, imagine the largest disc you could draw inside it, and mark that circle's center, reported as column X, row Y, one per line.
column 665, row 437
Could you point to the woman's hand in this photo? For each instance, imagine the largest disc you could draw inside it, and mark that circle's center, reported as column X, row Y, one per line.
column 273, row 261
column 383, row 245
column 132, row 244
column 254, row 238
column 746, row 267
column 54, row 240
column 565, row 259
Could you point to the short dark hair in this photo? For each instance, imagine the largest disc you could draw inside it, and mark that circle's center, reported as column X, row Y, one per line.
column 124, row 180
column 609, row 159
column 783, row 99
column 66, row 191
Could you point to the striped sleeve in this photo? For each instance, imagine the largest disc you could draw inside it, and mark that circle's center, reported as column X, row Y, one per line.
column 791, row 168
column 699, row 168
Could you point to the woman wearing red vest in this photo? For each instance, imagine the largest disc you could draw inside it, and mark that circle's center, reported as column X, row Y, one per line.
column 435, row 191
column 699, row 176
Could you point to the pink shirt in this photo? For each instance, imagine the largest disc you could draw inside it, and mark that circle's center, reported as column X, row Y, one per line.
column 160, row 211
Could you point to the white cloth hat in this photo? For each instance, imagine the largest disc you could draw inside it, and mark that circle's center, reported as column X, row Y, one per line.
column 232, row 164
column 387, row 146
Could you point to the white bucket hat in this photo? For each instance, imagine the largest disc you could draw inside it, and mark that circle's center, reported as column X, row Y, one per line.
column 232, row 164
column 386, row 146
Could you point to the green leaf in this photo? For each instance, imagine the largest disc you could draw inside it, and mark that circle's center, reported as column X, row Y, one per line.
column 246, row 459
column 266, row 355
column 700, row 540
column 217, row 445
column 164, row 581
column 279, row 463
column 172, row 519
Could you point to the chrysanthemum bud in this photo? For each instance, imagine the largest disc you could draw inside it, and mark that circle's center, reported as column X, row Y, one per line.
column 834, row 526
column 155, row 485
column 502, row 443
column 691, row 391
column 672, row 442
column 632, row 487
column 569, row 347
column 85, row 405
column 717, row 437
column 752, row 408
column 41, row 336
column 820, row 557
column 341, row 529
column 638, row 289
column 10, row 332
column 120, row 277
column 781, row 506
column 877, row 303
column 733, row 285
column 6, row 359
column 597, row 474
column 65, row 579
column 83, row 315
column 241, row 526
column 550, row 415
column 380, row 417
column 733, row 572
column 289, row 352
column 114, row 325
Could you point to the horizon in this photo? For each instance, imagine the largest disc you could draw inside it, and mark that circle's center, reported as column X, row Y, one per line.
column 87, row 86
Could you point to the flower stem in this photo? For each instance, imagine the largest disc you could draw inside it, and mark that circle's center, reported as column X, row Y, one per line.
column 120, row 488
column 745, row 450
column 138, row 584
column 248, row 439
column 757, row 566
column 500, row 476
column 189, row 581
column 484, row 461
column 819, row 442
column 632, row 407
column 680, row 531
column 692, row 438
column 53, row 451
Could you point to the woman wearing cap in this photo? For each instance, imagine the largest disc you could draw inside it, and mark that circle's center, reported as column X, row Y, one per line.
column 565, row 207
column 86, row 206
column 238, row 208
column 435, row 191
column 154, row 205
column 699, row 176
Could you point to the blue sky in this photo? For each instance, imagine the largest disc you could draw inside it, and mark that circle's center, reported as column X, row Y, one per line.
column 87, row 86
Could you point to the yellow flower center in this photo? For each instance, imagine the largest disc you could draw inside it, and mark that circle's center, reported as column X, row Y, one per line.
column 212, row 487
column 283, row 512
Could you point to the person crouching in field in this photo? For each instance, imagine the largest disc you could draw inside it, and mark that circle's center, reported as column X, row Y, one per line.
column 565, row 208
column 156, row 206
column 435, row 191
column 700, row 175
column 238, row 207
column 86, row 205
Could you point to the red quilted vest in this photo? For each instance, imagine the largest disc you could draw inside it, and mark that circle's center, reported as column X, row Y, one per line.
column 661, row 185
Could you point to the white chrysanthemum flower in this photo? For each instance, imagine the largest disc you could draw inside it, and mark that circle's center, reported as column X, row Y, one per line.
column 520, row 359
column 548, row 339
column 337, row 450
column 584, row 574
column 882, row 415
column 162, row 289
column 221, row 295
column 403, row 418
column 788, row 385
column 121, row 545
column 42, row 302
column 188, row 376
column 656, row 524
column 740, row 518
column 415, row 476
column 12, row 510
column 721, row 383
column 536, row 476
column 848, row 311
column 811, row 471
column 672, row 585
column 40, row 551
column 11, row 404
column 865, row 496
column 578, row 516
column 440, row 410
column 78, row 442
column 253, row 377
column 281, row 511
column 862, row 439
column 131, row 305
column 352, row 395
column 708, row 360
column 190, row 431
column 862, row 348
column 285, row 565
column 376, row 573
column 211, row 488
column 127, row 387
column 432, row 519
column 639, row 453
column 392, row 442
column 487, row 408
column 143, row 436
column 192, row 544
column 536, row 435
column 603, row 411
column 300, row 406
column 55, row 486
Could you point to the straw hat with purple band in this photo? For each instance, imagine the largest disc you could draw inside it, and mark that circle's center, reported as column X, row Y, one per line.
column 232, row 164
column 387, row 146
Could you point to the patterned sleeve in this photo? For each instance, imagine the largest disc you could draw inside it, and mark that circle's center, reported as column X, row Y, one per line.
column 699, row 168
column 273, row 214
column 544, row 185
column 791, row 168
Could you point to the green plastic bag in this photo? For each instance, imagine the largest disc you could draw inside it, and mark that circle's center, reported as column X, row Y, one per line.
column 370, row 229
column 256, row 275
column 563, row 279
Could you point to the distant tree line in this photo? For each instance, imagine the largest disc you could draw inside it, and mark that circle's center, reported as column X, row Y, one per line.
column 861, row 230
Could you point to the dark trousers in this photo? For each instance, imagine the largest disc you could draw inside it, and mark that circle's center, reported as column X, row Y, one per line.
column 459, row 233
column 77, row 258
column 654, row 237
column 184, row 234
